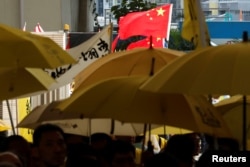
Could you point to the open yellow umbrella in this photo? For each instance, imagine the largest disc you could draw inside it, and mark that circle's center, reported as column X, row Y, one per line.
column 120, row 99
column 138, row 61
column 212, row 70
column 79, row 126
column 23, row 49
column 231, row 110
column 22, row 82
column 17, row 82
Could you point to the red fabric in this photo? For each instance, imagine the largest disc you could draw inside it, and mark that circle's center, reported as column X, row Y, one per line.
column 155, row 22
column 114, row 43
column 145, row 43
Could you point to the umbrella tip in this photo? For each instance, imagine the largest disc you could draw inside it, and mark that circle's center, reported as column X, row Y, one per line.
column 245, row 36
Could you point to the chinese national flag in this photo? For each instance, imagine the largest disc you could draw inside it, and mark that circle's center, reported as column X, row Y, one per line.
column 155, row 22
column 145, row 43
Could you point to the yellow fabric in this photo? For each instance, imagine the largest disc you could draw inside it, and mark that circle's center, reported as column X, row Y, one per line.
column 231, row 110
column 23, row 49
column 211, row 70
column 137, row 61
column 3, row 126
column 138, row 156
column 16, row 82
column 194, row 28
column 23, row 108
column 119, row 98
column 169, row 130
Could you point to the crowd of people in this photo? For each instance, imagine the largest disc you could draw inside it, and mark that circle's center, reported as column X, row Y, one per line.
column 51, row 147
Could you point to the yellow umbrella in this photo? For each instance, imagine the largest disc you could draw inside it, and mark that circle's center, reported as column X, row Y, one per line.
column 231, row 109
column 22, row 82
column 3, row 126
column 78, row 126
column 17, row 82
column 23, row 49
column 119, row 98
column 138, row 61
column 212, row 70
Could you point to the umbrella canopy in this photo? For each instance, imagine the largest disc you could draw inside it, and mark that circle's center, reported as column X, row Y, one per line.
column 23, row 49
column 86, row 126
column 79, row 126
column 139, row 61
column 16, row 82
column 3, row 126
column 212, row 70
column 120, row 98
column 231, row 110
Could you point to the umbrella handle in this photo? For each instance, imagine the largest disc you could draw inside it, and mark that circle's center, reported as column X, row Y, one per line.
column 152, row 67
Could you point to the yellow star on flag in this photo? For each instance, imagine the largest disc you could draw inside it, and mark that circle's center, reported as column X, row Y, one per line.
column 160, row 12
column 158, row 39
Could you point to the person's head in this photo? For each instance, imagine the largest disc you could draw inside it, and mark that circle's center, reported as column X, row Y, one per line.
column 8, row 158
column 99, row 141
column 181, row 147
column 18, row 145
column 81, row 154
column 228, row 144
column 121, row 153
column 49, row 142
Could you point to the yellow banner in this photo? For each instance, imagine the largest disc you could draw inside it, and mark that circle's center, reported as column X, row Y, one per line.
column 23, row 108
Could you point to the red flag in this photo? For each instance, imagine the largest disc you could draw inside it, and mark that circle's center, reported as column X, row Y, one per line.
column 145, row 43
column 155, row 22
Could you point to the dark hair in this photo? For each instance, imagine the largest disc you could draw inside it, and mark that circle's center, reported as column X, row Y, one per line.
column 41, row 129
column 182, row 147
column 120, row 146
column 228, row 144
column 8, row 140
column 100, row 136
column 81, row 154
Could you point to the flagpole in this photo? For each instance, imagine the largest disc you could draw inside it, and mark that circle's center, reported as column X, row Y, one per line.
column 201, row 20
column 111, row 37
